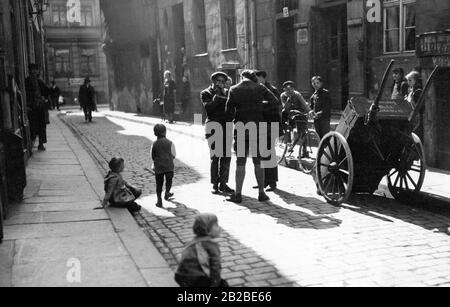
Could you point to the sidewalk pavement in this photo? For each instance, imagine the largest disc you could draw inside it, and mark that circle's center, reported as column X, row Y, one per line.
column 435, row 185
column 55, row 236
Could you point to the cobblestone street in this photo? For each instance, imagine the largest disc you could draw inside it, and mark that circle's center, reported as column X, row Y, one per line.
column 295, row 239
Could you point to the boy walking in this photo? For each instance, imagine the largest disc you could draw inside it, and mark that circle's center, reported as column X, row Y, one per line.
column 163, row 156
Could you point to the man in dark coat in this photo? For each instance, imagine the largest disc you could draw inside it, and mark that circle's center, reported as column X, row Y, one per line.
column 321, row 104
column 86, row 98
column 246, row 106
column 214, row 99
column 55, row 92
column 272, row 115
column 37, row 105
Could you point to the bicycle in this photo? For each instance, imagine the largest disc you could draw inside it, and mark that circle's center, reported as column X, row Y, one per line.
column 306, row 143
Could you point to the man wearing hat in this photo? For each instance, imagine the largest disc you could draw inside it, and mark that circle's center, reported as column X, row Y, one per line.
column 214, row 99
column 38, row 106
column 86, row 97
column 293, row 102
column 272, row 114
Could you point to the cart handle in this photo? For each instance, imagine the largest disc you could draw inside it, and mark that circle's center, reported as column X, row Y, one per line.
column 375, row 108
column 421, row 100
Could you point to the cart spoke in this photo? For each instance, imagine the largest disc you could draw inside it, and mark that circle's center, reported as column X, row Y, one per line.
column 406, row 183
column 395, row 172
column 396, row 180
column 343, row 161
column 344, row 172
column 327, row 185
column 412, row 181
column 332, row 152
column 327, row 156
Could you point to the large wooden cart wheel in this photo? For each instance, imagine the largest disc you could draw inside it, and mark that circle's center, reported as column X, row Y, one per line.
column 409, row 170
column 335, row 172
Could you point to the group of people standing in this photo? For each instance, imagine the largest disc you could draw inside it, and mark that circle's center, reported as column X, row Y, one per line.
column 255, row 100
column 42, row 98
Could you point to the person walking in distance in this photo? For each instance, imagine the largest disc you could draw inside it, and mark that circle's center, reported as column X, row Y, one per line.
column 272, row 115
column 169, row 96
column 400, row 86
column 185, row 94
column 321, row 104
column 55, row 93
column 86, row 97
column 214, row 100
column 37, row 106
column 245, row 106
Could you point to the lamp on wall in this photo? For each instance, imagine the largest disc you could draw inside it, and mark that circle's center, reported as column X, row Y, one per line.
column 40, row 6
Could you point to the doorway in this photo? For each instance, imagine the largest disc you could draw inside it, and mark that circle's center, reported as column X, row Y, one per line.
column 286, row 50
column 443, row 118
column 331, row 52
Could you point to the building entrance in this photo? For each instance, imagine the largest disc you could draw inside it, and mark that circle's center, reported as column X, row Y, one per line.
column 286, row 50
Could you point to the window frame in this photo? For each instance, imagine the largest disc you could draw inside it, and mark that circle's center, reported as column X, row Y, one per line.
column 83, row 10
column 226, row 18
column 95, row 61
column 200, row 26
column 61, row 10
column 401, row 4
column 64, row 73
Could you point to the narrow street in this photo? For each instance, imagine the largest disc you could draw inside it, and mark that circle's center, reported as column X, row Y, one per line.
column 295, row 239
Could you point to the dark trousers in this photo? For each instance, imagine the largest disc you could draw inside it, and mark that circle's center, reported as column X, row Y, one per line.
column 271, row 174
column 38, row 124
column 88, row 114
column 160, row 183
column 197, row 282
column 220, row 170
column 323, row 127
column 132, row 206
column 55, row 102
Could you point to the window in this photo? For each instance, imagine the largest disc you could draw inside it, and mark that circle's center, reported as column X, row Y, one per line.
column 200, row 26
column 62, row 63
column 88, row 62
column 291, row 4
column 59, row 15
column 399, row 26
column 87, row 19
column 228, row 12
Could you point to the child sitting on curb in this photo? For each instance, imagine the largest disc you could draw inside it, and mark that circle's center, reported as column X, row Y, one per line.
column 201, row 261
column 118, row 193
column 163, row 156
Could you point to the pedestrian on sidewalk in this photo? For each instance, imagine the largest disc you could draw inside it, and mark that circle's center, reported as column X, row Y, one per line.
column 86, row 97
column 214, row 100
column 119, row 193
column 55, row 92
column 163, row 156
column 37, row 106
column 321, row 104
column 185, row 95
column 169, row 96
column 200, row 264
column 245, row 106
column 272, row 115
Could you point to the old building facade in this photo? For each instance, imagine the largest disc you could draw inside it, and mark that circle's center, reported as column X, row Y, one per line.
column 74, row 40
column 132, row 54
column 21, row 43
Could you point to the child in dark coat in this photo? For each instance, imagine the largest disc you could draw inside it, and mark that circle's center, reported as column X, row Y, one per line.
column 118, row 193
column 163, row 156
column 201, row 261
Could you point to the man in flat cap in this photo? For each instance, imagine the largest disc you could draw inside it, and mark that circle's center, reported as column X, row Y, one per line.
column 38, row 105
column 214, row 99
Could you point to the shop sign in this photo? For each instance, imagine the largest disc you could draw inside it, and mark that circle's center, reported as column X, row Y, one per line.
column 286, row 12
column 302, row 36
column 74, row 11
column 76, row 81
column 434, row 44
